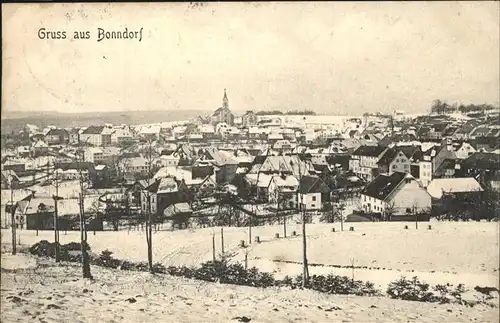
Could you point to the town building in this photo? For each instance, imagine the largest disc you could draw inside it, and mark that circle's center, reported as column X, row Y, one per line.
column 364, row 161
column 57, row 136
column 397, row 194
column 313, row 192
column 96, row 136
column 223, row 114
column 249, row 119
column 74, row 136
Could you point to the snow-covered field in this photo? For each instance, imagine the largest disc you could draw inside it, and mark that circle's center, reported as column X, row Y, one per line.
column 39, row 290
column 465, row 252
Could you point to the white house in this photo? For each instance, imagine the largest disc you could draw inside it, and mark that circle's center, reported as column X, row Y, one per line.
column 121, row 135
column 134, row 165
column 425, row 172
column 312, row 192
column 464, row 151
column 93, row 155
column 365, row 159
column 400, row 163
column 96, row 136
column 169, row 160
column 395, row 194
column 283, row 190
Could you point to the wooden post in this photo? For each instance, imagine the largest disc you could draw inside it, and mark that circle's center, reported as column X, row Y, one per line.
column 333, row 214
column 83, row 231
column 13, row 218
column 222, row 239
column 250, row 226
column 213, row 247
column 284, row 225
column 341, row 220
column 56, row 233
column 305, row 273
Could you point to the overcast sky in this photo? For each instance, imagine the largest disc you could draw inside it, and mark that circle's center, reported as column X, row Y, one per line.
column 333, row 58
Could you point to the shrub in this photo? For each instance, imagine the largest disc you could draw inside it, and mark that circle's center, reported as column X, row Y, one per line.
column 43, row 248
column 75, row 246
column 210, row 271
column 105, row 259
column 159, row 268
column 286, row 281
column 415, row 290
column 334, row 284
column 127, row 265
column 181, row 271
column 411, row 290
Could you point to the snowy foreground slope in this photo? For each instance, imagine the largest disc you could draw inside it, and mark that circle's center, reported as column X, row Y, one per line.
column 451, row 252
column 38, row 290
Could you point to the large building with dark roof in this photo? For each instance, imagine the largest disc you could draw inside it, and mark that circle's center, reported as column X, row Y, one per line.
column 96, row 136
column 396, row 194
column 364, row 161
column 57, row 136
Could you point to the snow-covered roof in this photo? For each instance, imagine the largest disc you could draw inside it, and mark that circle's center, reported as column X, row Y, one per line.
column 263, row 179
column 439, row 186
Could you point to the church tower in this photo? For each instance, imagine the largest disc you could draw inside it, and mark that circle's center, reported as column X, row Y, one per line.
column 225, row 101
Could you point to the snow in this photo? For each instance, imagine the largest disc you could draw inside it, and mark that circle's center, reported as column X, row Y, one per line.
column 56, row 293
column 439, row 186
column 465, row 252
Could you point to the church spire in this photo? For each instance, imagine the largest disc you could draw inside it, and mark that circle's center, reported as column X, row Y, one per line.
column 225, row 101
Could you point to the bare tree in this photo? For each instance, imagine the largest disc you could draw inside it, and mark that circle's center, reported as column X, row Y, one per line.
column 389, row 210
column 56, row 229
column 12, row 213
column 83, row 226
column 414, row 210
column 302, row 209
column 151, row 155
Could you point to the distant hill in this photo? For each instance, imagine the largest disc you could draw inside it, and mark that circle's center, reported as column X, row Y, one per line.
column 15, row 120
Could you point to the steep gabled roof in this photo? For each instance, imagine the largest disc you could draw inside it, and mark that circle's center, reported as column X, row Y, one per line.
column 388, row 156
column 371, row 151
column 382, row 186
column 57, row 132
column 414, row 152
column 445, row 165
column 93, row 130
column 312, row 184
column 40, row 144
column 178, row 208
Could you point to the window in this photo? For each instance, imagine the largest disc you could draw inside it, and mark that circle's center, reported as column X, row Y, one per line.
column 406, row 166
column 314, row 198
column 313, row 205
column 408, row 210
column 397, row 160
column 394, row 166
column 364, row 197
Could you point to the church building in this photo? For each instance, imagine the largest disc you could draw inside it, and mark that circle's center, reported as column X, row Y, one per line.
column 223, row 114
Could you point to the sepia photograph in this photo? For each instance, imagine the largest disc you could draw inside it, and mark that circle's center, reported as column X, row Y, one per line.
column 250, row 162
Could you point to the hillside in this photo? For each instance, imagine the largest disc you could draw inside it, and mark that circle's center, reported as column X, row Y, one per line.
column 38, row 289
column 15, row 121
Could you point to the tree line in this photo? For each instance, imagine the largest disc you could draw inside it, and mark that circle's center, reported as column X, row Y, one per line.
column 291, row 112
column 442, row 107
